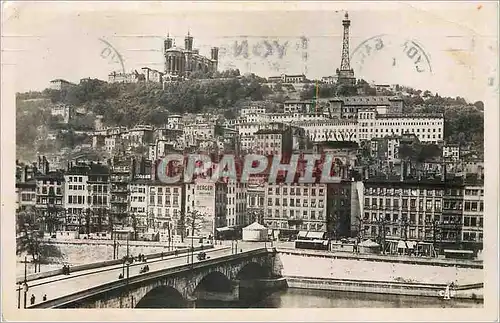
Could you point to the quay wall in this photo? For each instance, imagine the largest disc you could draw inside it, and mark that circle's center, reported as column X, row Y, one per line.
column 381, row 287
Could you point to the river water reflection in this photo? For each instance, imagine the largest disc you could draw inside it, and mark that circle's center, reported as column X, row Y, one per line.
column 308, row 298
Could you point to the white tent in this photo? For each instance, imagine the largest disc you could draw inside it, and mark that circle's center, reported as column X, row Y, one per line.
column 254, row 232
column 369, row 246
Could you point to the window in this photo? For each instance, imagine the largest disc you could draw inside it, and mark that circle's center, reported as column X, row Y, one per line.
column 473, row 206
column 473, row 221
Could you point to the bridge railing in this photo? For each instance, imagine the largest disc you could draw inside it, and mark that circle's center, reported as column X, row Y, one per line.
column 78, row 296
column 105, row 263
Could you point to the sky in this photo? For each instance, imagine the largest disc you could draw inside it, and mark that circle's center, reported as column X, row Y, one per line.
column 448, row 48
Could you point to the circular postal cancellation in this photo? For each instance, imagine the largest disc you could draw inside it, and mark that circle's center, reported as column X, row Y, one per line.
column 109, row 54
column 384, row 52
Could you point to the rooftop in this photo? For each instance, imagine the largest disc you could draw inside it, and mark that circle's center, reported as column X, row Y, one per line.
column 366, row 100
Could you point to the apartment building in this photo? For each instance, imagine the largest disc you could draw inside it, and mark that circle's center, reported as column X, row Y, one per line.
column 350, row 107
column 99, row 197
column 252, row 110
column 209, row 199
column 165, row 206
column 291, row 207
column 429, row 128
column 298, row 106
column 284, row 78
column 236, row 207
column 473, row 215
column 138, row 209
column 451, row 152
column 26, row 194
column 121, row 174
column 329, row 130
column 428, row 210
column 49, row 200
column 76, row 197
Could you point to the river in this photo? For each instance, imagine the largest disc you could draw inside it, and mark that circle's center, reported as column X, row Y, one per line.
column 308, row 298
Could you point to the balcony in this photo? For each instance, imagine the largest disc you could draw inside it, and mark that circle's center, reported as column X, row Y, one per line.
column 119, row 201
column 119, row 190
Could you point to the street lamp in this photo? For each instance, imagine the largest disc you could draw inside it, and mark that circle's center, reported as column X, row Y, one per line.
column 25, row 290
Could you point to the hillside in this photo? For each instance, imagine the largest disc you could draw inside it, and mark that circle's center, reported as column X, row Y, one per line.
column 131, row 104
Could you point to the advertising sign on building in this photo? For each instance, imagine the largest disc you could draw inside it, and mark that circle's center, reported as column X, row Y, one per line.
column 204, row 203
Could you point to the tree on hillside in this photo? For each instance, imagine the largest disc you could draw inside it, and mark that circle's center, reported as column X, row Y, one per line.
column 479, row 105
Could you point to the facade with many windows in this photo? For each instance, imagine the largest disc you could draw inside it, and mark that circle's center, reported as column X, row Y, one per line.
column 49, row 200
column 165, row 205
column 291, row 207
column 420, row 210
column 473, row 214
column 428, row 128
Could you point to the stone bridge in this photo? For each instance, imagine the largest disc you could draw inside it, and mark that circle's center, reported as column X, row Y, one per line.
column 218, row 278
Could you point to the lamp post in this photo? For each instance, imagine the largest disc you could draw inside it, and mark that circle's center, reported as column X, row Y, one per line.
column 128, row 259
column 19, row 296
column 25, row 290
column 25, row 284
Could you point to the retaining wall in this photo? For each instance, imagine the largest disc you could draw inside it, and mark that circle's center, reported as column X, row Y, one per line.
column 379, row 287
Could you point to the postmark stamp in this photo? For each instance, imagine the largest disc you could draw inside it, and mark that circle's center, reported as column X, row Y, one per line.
column 391, row 52
column 112, row 56
column 276, row 53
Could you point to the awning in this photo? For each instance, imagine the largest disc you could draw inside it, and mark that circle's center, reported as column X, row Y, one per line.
column 315, row 235
column 224, row 229
column 401, row 244
column 302, row 234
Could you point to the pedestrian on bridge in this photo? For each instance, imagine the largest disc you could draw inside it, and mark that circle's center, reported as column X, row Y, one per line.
column 32, row 299
column 44, row 297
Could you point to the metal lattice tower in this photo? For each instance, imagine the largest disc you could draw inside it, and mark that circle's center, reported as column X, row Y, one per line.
column 344, row 64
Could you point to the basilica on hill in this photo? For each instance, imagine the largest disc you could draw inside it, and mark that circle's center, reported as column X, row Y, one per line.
column 181, row 62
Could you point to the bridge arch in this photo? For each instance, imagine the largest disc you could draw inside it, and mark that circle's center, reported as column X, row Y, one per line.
column 253, row 270
column 215, row 281
column 162, row 297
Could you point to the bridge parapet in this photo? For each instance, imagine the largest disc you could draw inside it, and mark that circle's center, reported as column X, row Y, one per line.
column 185, row 279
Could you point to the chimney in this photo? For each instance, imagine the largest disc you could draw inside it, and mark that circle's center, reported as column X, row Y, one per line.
column 25, row 175
column 132, row 169
column 45, row 165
